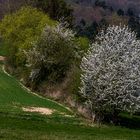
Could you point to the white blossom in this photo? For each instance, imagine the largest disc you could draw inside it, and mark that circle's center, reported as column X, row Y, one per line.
column 110, row 78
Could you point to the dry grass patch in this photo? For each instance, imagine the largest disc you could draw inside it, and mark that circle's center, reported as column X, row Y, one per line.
column 44, row 111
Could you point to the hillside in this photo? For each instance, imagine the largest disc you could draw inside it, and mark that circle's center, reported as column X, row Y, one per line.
column 87, row 10
column 59, row 80
column 13, row 97
column 16, row 123
column 116, row 4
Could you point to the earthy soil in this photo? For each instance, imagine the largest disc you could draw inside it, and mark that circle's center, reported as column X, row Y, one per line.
column 44, row 111
column 2, row 58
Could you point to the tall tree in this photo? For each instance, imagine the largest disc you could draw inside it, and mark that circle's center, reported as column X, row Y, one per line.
column 111, row 73
column 21, row 29
column 120, row 12
column 57, row 9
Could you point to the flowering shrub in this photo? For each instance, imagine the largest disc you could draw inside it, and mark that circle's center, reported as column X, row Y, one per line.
column 110, row 81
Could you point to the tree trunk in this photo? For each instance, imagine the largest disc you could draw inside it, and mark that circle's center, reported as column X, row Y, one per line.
column 114, row 116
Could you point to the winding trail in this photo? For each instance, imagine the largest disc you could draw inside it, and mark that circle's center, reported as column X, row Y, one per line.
column 2, row 58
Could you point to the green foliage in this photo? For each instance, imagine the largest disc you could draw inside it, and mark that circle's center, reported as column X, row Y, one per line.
column 88, row 31
column 74, row 81
column 53, row 54
column 75, row 71
column 21, row 29
column 83, row 43
column 3, row 48
column 56, row 9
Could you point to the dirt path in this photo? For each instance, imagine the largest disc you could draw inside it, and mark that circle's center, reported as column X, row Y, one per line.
column 44, row 111
column 2, row 58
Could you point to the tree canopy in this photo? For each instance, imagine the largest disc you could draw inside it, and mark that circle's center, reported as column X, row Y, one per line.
column 23, row 28
column 111, row 73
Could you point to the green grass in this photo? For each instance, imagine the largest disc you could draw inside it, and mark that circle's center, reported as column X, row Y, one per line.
column 3, row 47
column 29, row 127
column 15, row 124
column 13, row 96
column 18, row 125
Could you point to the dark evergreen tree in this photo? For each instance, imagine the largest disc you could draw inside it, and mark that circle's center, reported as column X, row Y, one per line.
column 130, row 12
column 92, row 30
column 57, row 9
column 83, row 22
column 120, row 12
column 89, row 31
column 134, row 24
column 100, row 3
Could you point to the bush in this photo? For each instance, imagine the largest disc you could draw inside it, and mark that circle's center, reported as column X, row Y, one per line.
column 110, row 82
column 57, row 9
column 53, row 54
column 21, row 29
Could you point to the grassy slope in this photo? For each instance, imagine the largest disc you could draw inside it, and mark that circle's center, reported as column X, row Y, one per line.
column 16, row 124
column 12, row 96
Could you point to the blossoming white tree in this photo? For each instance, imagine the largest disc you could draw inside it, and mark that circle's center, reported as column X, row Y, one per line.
column 110, row 81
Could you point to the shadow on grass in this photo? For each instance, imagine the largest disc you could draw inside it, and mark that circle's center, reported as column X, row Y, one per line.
column 124, row 120
column 132, row 122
